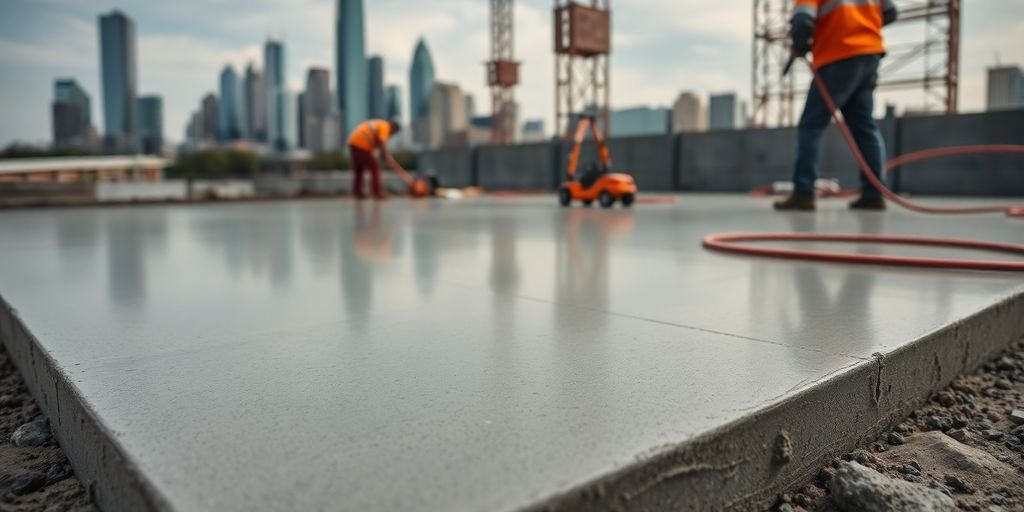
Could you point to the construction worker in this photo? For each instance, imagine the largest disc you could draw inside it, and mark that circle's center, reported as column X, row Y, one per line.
column 367, row 137
column 845, row 38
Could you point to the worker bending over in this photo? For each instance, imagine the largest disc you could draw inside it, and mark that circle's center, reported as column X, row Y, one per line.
column 845, row 37
column 369, row 136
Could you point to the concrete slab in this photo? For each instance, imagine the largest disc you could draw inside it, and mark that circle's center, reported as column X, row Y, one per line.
column 476, row 355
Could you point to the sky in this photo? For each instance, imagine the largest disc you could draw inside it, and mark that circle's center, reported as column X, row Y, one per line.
column 660, row 48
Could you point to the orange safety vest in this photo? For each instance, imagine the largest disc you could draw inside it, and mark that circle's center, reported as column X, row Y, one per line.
column 844, row 28
column 370, row 134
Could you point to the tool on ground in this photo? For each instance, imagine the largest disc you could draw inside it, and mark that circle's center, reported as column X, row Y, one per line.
column 597, row 181
column 728, row 242
column 419, row 186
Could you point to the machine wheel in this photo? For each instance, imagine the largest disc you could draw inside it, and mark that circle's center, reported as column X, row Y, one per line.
column 588, row 202
column 564, row 197
column 627, row 200
column 605, row 199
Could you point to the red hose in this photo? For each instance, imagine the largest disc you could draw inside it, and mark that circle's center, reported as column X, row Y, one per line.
column 726, row 241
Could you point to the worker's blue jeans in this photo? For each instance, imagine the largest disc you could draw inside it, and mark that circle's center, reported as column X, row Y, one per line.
column 851, row 83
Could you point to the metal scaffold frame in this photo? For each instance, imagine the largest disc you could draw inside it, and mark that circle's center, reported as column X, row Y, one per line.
column 502, row 73
column 931, row 63
column 582, row 64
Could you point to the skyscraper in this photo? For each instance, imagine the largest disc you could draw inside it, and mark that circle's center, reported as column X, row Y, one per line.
column 350, row 64
column 119, row 76
column 276, row 93
column 72, row 115
column 421, row 85
column 393, row 103
column 375, row 75
column 688, row 114
column 470, row 106
column 255, row 104
column 448, row 124
column 151, row 125
column 208, row 112
column 722, row 111
column 229, row 117
column 321, row 126
column 1005, row 88
column 302, row 115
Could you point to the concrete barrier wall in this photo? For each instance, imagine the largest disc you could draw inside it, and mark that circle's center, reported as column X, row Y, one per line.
column 519, row 167
column 454, row 167
column 980, row 175
column 739, row 160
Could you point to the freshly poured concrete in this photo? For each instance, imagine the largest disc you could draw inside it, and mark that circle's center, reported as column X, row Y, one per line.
column 475, row 355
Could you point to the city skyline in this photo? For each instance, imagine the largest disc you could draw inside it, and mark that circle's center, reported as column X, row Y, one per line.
column 180, row 55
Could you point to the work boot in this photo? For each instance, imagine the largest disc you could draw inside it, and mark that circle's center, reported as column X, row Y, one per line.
column 795, row 202
column 868, row 203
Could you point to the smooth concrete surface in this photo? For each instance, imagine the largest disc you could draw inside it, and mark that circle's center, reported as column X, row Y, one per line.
column 489, row 354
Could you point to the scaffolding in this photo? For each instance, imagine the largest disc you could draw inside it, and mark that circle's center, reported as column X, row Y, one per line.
column 502, row 73
column 929, row 60
column 582, row 72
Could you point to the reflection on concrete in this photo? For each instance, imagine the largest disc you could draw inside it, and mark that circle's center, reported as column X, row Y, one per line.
column 426, row 244
column 369, row 244
column 131, row 241
column 848, row 303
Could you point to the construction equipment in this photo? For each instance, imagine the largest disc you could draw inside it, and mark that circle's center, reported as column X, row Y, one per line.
column 419, row 186
column 597, row 181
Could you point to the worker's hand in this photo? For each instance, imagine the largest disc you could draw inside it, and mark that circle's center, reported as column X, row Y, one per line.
column 801, row 31
column 800, row 47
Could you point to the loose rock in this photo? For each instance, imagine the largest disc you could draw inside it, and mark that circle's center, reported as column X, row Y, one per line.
column 993, row 434
column 959, row 435
column 957, row 484
column 857, row 488
column 936, row 422
column 1017, row 417
column 895, row 438
column 33, row 433
column 24, row 484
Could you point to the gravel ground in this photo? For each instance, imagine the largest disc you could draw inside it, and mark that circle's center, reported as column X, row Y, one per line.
column 963, row 450
column 34, row 474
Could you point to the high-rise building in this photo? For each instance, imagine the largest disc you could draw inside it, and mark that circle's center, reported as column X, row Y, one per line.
column 291, row 131
column 151, row 124
column 255, row 101
column 276, row 93
column 302, row 113
column 208, row 112
column 1005, row 88
column 320, row 124
column 350, row 68
column 375, row 98
column 119, row 76
column 637, row 121
column 722, row 111
column 393, row 103
column 688, row 114
column 470, row 106
column 72, row 115
column 421, row 85
column 448, row 124
column 229, row 119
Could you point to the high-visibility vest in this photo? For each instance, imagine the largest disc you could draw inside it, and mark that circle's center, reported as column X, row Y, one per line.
column 844, row 28
column 370, row 134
